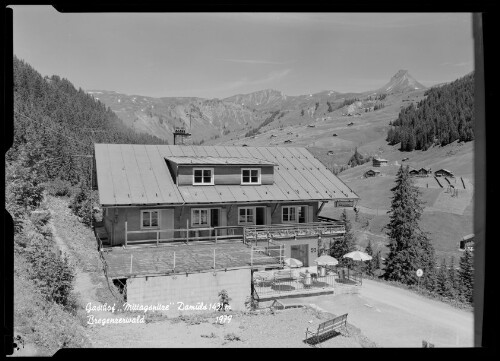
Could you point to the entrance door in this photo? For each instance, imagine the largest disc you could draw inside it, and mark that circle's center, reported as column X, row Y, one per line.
column 214, row 218
column 167, row 223
column 300, row 252
column 260, row 215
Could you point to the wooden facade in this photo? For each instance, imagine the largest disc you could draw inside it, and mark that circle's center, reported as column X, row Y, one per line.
column 181, row 217
column 378, row 162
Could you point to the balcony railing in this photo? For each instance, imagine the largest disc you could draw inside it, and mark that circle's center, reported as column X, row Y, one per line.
column 185, row 235
column 292, row 230
column 247, row 234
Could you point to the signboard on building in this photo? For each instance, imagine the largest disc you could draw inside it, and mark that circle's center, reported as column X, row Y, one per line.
column 345, row 203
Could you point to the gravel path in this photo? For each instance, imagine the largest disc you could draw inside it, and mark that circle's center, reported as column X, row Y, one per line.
column 394, row 317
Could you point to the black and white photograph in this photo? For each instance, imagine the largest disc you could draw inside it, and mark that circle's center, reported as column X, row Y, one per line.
column 242, row 180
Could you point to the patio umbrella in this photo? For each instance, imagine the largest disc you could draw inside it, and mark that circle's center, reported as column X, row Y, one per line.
column 292, row 262
column 358, row 256
column 326, row 260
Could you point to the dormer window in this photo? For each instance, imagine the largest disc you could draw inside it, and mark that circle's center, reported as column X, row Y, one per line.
column 203, row 176
column 250, row 176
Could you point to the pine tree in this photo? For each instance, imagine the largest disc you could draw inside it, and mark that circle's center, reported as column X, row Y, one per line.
column 377, row 261
column 443, row 284
column 409, row 247
column 345, row 244
column 466, row 276
column 370, row 265
column 452, row 277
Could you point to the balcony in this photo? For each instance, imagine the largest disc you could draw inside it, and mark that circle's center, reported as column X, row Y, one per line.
column 294, row 230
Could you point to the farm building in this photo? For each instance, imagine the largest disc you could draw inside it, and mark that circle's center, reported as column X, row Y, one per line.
column 379, row 162
column 413, row 172
column 424, row 172
column 467, row 242
column 372, row 173
column 181, row 223
column 443, row 173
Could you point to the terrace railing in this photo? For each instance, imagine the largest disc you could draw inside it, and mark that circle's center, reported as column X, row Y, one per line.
column 293, row 230
column 247, row 234
column 260, row 253
column 185, row 235
column 286, row 282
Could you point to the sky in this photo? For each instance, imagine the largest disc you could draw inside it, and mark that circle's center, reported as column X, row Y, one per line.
column 217, row 55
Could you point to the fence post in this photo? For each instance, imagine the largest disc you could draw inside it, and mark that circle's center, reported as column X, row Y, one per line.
column 251, row 256
column 157, row 238
column 187, row 231
column 215, row 235
column 131, row 257
column 125, row 233
column 244, row 236
column 174, row 261
column 214, row 258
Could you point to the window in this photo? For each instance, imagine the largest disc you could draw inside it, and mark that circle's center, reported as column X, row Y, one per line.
column 250, row 176
column 296, row 214
column 289, row 214
column 149, row 219
column 199, row 217
column 203, row 176
column 302, row 214
column 246, row 216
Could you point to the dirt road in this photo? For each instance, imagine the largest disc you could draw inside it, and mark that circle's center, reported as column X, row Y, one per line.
column 394, row 317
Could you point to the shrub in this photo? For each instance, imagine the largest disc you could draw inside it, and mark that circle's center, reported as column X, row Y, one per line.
column 223, row 300
column 232, row 337
column 51, row 273
column 58, row 187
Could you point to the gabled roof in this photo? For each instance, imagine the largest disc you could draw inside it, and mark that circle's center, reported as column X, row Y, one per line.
column 444, row 170
column 131, row 174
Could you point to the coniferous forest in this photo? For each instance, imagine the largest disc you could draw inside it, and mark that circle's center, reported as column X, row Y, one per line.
column 444, row 116
column 55, row 127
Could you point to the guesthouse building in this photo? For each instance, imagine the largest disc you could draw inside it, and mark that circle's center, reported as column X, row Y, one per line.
column 212, row 214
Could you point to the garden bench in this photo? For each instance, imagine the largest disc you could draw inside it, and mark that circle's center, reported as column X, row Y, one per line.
column 326, row 329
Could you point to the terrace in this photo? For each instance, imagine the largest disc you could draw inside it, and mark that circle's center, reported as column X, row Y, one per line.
column 214, row 235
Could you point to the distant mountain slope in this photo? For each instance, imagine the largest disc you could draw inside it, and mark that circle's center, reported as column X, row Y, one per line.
column 446, row 115
column 206, row 118
column 268, row 98
column 243, row 114
column 402, row 81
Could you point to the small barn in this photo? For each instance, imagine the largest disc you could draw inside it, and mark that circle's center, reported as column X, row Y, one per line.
column 443, row 173
column 372, row 173
column 413, row 172
column 424, row 172
column 379, row 162
column 467, row 242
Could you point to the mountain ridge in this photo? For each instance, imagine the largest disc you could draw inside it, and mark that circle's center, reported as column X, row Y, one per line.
column 210, row 119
